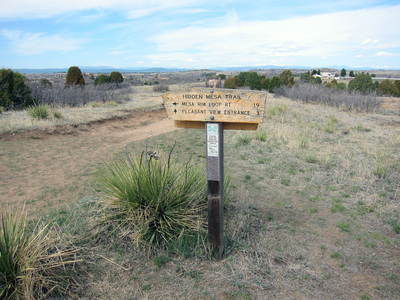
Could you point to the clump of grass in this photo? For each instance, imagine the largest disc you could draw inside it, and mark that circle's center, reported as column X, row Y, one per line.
column 160, row 260
column 285, row 181
column 32, row 266
column 277, row 110
column 381, row 164
column 157, row 199
column 57, row 115
column 311, row 157
column 344, row 226
column 261, row 135
column 38, row 112
column 361, row 128
column 338, row 207
column 394, row 221
column 303, row 141
column 243, row 140
column 330, row 124
column 111, row 103
column 95, row 104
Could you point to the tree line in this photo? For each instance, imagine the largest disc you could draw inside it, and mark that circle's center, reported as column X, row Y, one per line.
column 16, row 92
column 362, row 83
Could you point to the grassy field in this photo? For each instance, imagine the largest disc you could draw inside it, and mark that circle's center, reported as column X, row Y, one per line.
column 314, row 214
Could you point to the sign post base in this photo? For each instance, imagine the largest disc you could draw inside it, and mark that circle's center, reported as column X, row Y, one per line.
column 215, row 183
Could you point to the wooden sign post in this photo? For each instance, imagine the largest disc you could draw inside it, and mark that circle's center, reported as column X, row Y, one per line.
column 216, row 110
column 215, row 183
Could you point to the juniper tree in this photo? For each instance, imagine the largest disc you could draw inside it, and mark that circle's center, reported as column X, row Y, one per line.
column 14, row 92
column 74, row 77
column 116, row 77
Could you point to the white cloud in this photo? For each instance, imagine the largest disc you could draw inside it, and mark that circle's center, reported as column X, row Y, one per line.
column 370, row 42
column 235, row 42
column 28, row 9
column 117, row 52
column 384, row 53
column 37, row 43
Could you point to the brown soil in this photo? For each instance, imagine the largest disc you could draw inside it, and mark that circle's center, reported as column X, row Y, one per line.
column 53, row 168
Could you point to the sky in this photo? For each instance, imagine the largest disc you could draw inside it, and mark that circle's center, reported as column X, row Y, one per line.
column 198, row 34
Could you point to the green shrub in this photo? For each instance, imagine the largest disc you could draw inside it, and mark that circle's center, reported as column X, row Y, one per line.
column 159, row 199
column 232, row 82
column 253, row 81
column 388, row 87
column 287, row 78
column 32, row 266
column 14, row 92
column 275, row 83
column 38, row 112
column 102, row 79
column 362, row 83
column 74, row 77
column 116, row 77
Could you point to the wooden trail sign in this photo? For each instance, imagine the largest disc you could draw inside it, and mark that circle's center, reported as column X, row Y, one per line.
column 216, row 110
column 237, row 109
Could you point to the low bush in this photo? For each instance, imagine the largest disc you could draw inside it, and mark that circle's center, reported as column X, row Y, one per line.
column 309, row 93
column 161, row 88
column 38, row 112
column 156, row 198
column 32, row 264
column 76, row 95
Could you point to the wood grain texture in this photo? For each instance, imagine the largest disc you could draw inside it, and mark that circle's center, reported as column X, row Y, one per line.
column 216, row 105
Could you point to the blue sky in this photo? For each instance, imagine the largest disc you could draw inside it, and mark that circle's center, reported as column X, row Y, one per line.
column 199, row 34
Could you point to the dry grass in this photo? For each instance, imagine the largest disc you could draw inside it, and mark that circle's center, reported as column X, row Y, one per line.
column 142, row 98
column 312, row 217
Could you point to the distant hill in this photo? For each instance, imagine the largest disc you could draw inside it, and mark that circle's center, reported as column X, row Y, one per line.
column 265, row 67
column 102, row 69
column 107, row 69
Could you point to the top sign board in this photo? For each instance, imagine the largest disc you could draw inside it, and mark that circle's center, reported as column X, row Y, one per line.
column 194, row 107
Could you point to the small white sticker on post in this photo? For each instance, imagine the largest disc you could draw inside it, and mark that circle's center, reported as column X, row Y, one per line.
column 212, row 139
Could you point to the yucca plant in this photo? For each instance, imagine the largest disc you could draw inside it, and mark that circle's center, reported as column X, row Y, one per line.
column 161, row 198
column 32, row 266
column 38, row 112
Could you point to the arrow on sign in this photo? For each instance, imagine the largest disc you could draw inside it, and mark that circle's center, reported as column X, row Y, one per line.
column 175, row 111
column 175, row 103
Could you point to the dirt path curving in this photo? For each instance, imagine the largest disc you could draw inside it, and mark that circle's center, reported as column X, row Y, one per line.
column 42, row 170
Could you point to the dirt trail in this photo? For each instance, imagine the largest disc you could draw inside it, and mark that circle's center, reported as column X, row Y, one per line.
column 49, row 169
